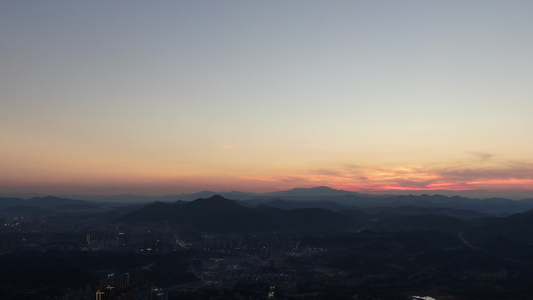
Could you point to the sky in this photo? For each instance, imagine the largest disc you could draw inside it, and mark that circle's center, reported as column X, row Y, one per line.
column 165, row 97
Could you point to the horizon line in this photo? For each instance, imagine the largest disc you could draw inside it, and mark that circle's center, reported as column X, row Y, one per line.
column 482, row 194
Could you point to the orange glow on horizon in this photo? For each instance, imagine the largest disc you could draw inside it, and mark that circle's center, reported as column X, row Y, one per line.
column 343, row 177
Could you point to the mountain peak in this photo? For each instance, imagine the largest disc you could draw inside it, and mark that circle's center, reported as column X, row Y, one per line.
column 217, row 197
column 310, row 192
column 325, row 189
column 216, row 202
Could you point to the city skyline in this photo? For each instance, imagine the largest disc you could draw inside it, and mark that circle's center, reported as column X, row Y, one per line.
column 178, row 97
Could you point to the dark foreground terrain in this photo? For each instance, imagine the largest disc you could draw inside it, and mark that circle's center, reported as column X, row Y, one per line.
column 215, row 248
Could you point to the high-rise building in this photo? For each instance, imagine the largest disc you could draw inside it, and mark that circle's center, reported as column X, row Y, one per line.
column 113, row 281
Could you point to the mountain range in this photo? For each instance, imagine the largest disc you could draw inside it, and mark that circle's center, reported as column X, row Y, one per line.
column 508, row 237
column 318, row 197
column 218, row 214
column 500, row 227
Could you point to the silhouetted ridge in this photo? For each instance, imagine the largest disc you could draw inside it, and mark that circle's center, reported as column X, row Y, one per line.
column 518, row 226
column 218, row 214
column 215, row 202
column 311, row 192
column 284, row 204
column 384, row 212
column 422, row 222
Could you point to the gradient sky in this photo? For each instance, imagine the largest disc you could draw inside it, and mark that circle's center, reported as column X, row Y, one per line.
column 157, row 97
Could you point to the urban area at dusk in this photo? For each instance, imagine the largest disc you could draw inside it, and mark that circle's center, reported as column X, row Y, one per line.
column 156, row 150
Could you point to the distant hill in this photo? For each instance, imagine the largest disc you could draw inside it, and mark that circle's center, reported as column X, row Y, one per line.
column 409, row 210
column 310, row 192
column 49, row 205
column 422, row 223
column 284, row 204
column 453, row 206
column 42, row 202
column 508, row 237
column 518, row 227
column 489, row 205
column 218, row 214
column 317, row 197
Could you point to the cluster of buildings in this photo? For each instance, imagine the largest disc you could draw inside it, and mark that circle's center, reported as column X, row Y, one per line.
column 118, row 287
